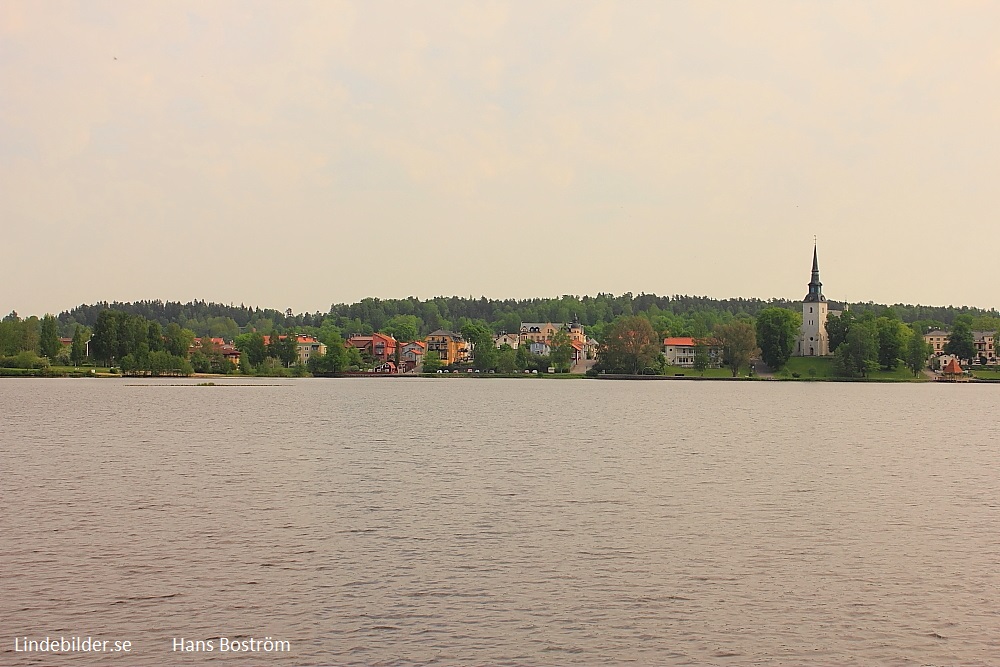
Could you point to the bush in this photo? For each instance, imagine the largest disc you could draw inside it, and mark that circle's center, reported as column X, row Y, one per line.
column 24, row 360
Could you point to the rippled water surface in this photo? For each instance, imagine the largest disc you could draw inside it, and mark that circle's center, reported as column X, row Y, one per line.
column 489, row 522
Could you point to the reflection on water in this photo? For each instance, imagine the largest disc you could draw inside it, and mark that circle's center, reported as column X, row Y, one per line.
column 489, row 521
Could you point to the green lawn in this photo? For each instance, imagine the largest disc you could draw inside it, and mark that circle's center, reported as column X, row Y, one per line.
column 822, row 367
column 709, row 372
column 901, row 373
column 808, row 367
column 84, row 369
column 986, row 375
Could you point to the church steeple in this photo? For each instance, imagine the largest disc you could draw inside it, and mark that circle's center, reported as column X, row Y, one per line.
column 815, row 286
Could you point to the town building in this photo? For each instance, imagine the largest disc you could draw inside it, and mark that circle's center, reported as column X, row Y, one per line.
column 305, row 346
column 540, row 348
column 542, row 332
column 680, row 351
column 936, row 339
column 378, row 346
column 507, row 339
column 986, row 352
column 308, row 346
column 412, row 355
column 448, row 345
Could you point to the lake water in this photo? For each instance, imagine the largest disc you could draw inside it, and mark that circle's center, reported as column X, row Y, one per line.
column 503, row 522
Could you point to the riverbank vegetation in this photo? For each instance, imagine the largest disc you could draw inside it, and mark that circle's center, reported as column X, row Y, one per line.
column 868, row 340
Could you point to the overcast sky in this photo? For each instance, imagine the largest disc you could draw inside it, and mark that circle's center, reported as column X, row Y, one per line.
column 293, row 154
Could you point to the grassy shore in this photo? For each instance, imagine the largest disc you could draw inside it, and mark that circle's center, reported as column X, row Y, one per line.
column 708, row 372
column 821, row 368
column 56, row 372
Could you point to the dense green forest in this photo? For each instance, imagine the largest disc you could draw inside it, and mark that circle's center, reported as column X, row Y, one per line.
column 680, row 315
column 137, row 335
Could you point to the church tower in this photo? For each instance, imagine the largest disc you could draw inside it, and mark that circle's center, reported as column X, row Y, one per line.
column 813, row 340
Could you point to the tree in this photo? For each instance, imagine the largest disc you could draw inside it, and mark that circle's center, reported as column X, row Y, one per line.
column 177, row 341
column 48, row 339
column 483, row 352
column 960, row 341
column 334, row 361
column 79, row 350
column 506, row 359
column 154, row 337
column 30, row 334
column 916, row 352
column 253, row 348
column 522, row 357
column 739, row 343
column 284, row 349
column 777, row 332
column 404, row 328
column 857, row 356
column 890, row 342
column 629, row 346
column 431, row 362
column 701, row 358
column 837, row 328
column 104, row 343
column 561, row 351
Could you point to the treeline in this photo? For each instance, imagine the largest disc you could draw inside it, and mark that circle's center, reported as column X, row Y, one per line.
column 140, row 346
column 682, row 315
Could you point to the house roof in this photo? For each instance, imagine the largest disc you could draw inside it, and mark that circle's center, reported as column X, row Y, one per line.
column 680, row 341
column 446, row 332
column 953, row 368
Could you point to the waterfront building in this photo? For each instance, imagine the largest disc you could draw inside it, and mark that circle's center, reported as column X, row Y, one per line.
column 984, row 341
column 680, row 351
column 448, row 345
column 937, row 339
column 380, row 347
column 542, row 332
column 507, row 339
column 305, row 347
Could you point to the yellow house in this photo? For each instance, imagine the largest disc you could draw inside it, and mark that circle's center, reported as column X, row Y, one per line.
column 937, row 339
column 542, row 332
column 448, row 345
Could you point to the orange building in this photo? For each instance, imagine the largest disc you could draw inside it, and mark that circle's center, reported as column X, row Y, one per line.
column 378, row 346
column 448, row 345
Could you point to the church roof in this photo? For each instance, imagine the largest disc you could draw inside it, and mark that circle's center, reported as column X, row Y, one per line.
column 815, row 286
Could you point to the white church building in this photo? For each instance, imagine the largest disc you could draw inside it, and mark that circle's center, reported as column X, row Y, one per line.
column 813, row 339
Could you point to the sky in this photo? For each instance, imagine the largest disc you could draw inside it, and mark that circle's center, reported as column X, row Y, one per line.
column 299, row 154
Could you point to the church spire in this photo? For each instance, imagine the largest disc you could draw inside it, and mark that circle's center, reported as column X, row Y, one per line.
column 815, row 286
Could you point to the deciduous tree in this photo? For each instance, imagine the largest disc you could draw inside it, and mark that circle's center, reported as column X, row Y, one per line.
column 917, row 351
column 738, row 340
column 777, row 331
column 701, row 358
column 857, row 356
column 960, row 340
column 629, row 345
column 561, row 351
column 48, row 340
column 78, row 352
column 890, row 342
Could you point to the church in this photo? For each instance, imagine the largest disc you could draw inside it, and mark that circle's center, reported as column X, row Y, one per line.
column 813, row 339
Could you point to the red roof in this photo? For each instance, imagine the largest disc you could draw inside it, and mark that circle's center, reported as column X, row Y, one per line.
column 953, row 368
column 680, row 342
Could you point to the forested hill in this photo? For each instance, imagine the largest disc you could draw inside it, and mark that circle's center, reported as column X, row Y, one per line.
column 679, row 314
